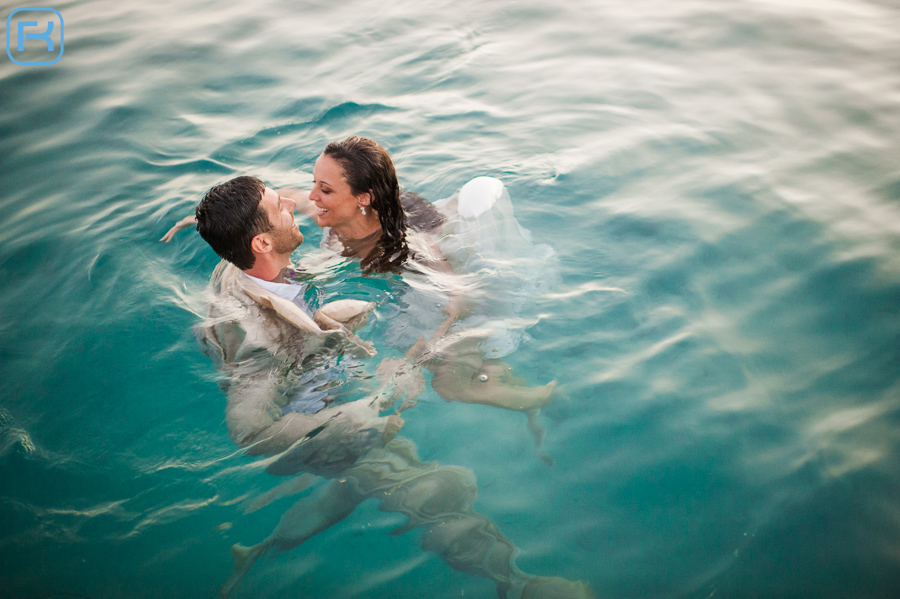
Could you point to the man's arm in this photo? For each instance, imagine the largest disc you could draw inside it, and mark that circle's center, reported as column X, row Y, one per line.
column 255, row 422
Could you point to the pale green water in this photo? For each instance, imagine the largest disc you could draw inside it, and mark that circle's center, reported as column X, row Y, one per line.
column 721, row 184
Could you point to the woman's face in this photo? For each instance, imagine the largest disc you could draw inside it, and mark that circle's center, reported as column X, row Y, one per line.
column 336, row 206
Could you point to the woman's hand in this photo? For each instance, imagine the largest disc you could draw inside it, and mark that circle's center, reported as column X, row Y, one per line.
column 301, row 196
column 187, row 221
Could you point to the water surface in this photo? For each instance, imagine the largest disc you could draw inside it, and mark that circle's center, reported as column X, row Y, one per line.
column 719, row 181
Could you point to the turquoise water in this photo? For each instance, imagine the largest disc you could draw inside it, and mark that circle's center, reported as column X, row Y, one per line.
column 720, row 182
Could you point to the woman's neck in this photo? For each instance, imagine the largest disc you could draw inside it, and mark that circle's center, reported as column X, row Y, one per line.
column 359, row 229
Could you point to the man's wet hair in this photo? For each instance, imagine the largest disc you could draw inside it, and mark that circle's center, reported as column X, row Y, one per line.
column 230, row 215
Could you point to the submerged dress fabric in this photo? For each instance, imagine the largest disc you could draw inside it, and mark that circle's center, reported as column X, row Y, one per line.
column 496, row 266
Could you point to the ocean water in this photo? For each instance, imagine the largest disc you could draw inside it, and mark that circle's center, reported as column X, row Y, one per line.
column 720, row 182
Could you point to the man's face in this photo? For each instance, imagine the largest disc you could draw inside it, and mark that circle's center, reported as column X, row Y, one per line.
column 286, row 235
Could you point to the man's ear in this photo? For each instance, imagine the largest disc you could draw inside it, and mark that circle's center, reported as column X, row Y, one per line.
column 261, row 244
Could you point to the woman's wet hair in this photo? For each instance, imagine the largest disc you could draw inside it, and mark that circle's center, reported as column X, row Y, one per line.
column 421, row 215
column 230, row 215
column 368, row 168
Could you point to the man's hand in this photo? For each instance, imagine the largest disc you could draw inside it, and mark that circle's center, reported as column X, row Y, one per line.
column 399, row 377
column 187, row 221
column 393, row 426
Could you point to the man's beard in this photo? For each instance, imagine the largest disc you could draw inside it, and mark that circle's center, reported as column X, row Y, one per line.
column 285, row 242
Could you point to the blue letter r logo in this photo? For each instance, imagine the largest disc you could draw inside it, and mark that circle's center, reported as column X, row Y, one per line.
column 25, row 31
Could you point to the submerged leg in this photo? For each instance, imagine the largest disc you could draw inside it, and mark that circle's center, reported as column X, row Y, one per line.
column 439, row 500
column 306, row 518
column 293, row 486
column 551, row 587
column 472, row 543
column 244, row 558
column 311, row 515
column 460, row 372
column 463, row 375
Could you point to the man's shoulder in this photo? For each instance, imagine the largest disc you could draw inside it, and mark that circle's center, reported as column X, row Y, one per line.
column 239, row 326
column 232, row 293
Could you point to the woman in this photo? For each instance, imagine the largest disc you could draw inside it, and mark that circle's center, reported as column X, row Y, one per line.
column 358, row 202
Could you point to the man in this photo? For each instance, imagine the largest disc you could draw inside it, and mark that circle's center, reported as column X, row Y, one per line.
column 259, row 324
column 284, row 389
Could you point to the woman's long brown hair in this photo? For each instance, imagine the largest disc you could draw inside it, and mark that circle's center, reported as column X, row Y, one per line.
column 368, row 168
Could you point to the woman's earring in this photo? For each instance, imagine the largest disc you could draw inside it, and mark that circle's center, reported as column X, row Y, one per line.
column 363, row 210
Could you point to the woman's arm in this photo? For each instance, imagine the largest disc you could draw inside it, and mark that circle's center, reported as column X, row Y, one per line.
column 187, row 221
column 304, row 206
column 301, row 196
column 457, row 305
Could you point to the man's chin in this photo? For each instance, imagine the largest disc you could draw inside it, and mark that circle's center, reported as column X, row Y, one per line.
column 289, row 245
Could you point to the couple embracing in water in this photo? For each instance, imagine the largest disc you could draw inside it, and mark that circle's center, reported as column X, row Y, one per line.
column 289, row 367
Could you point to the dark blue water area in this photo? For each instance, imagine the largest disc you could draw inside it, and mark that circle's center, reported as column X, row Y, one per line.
column 720, row 188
